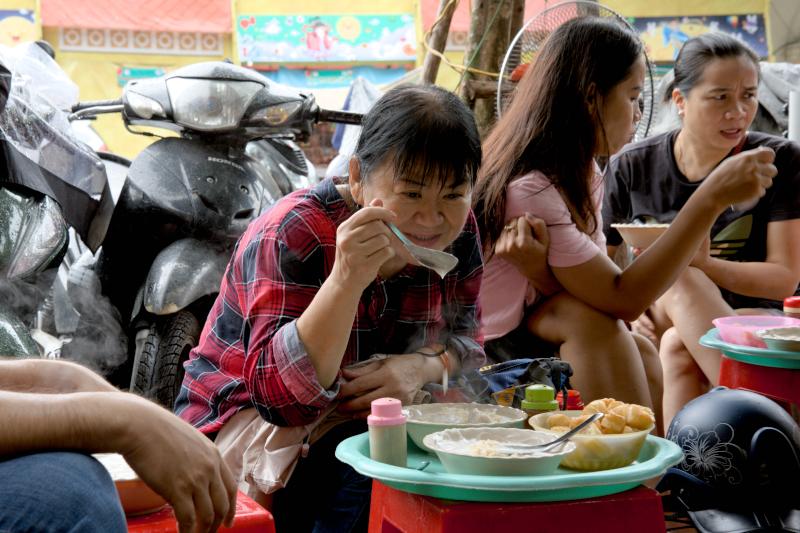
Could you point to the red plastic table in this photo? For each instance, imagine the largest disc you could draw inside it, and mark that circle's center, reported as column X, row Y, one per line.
column 779, row 384
column 250, row 518
column 637, row 510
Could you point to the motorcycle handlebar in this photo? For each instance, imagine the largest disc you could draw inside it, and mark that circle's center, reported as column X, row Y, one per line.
column 88, row 112
column 95, row 103
column 342, row 117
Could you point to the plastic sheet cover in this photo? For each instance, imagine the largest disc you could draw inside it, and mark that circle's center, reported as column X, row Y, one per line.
column 41, row 150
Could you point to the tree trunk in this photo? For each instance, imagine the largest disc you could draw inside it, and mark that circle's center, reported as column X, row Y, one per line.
column 491, row 56
column 438, row 42
column 476, row 28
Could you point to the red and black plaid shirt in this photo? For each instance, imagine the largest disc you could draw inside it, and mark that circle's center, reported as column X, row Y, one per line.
column 249, row 352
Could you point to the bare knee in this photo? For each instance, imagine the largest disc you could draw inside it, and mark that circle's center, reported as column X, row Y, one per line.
column 675, row 358
column 691, row 284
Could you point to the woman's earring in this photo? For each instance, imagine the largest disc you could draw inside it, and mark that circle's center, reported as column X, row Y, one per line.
column 680, row 113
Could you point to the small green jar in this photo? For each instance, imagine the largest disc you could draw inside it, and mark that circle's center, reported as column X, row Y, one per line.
column 539, row 399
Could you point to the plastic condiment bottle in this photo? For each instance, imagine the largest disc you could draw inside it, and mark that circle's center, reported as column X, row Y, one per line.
column 574, row 400
column 539, row 399
column 387, row 432
column 791, row 306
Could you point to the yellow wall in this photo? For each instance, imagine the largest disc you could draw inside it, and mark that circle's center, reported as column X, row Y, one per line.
column 448, row 77
column 95, row 73
column 20, row 4
column 640, row 8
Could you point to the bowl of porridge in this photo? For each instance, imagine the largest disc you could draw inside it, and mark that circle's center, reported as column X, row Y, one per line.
column 429, row 418
column 481, row 451
column 785, row 339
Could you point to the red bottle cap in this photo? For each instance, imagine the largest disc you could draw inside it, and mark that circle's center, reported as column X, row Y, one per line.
column 792, row 302
column 574, row 400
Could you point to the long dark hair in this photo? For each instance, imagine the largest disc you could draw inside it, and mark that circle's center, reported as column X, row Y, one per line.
column 422, row 130
column 696, row 54
column 549, row 126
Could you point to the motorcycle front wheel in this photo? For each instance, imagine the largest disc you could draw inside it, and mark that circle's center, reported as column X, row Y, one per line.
column 158, row 369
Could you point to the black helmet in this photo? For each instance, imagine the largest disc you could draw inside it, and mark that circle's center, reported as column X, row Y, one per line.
column 741, row 466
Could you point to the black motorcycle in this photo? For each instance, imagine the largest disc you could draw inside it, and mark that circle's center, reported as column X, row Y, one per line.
column 49, row 182
column 187, row 199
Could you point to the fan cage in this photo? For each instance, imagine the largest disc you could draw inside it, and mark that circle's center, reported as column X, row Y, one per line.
column 529, row 39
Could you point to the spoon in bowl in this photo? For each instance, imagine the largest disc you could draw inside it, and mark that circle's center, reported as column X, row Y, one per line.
column 522, row 448
column 439, row 262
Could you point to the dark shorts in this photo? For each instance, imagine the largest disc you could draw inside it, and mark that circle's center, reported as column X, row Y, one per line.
column 519, row 343
column 737, row 301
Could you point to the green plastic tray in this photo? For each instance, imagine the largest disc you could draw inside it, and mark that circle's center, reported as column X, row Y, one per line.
column 656, row 456
column 750, row 354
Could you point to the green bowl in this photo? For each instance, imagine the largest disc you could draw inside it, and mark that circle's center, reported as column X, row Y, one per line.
column 425, row 419
column 457, row 451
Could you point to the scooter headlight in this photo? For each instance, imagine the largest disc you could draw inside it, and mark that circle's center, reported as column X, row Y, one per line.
column 277, row 114
column 45, row 233
column 210, row 105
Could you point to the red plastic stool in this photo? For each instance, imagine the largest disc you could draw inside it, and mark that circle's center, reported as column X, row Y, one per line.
column 250, row 518
column 779, row 384
column 637, row 510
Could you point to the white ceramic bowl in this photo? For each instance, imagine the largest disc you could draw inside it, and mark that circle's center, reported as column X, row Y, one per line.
column 478, row 451
column 786, row 339
column 596, row 452
column 640, row 235
column 425, row 419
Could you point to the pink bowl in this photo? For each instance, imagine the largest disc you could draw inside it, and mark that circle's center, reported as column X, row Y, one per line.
column 741, row 329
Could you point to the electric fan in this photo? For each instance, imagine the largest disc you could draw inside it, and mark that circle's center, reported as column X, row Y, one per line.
column 522, row 52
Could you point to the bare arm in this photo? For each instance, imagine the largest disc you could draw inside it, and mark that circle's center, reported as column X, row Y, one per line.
column 363, row 245
column 168, row 454
column 627, row 294
column 524, row 243
column 49, row 376
column 775, row 278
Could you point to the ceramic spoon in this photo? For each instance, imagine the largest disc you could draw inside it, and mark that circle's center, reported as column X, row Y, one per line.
column 439, row 262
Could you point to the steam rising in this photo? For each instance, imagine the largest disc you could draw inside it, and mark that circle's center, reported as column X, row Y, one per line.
column 97, row 342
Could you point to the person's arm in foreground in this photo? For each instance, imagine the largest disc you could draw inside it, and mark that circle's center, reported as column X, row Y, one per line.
column 49, row 376
column 172, row 457
column 627, row 294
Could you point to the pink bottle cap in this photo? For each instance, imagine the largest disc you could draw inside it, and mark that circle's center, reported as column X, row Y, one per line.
column 386, row 412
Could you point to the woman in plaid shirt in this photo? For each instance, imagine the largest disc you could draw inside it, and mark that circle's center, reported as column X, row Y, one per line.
column 319, row 283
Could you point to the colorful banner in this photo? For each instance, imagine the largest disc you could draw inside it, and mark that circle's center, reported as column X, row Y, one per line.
column 17, row 26
column 331, row 79
column 326, row 38
column 664, row 36
column 126, row 74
